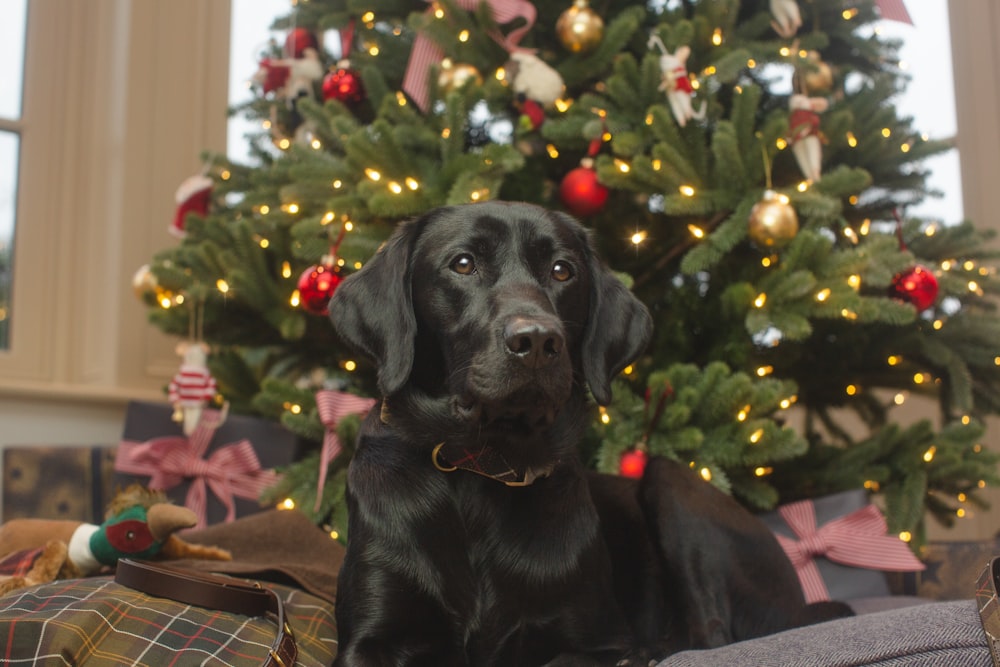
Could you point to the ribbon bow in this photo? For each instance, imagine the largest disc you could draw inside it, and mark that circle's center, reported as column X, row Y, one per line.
column 858, row 539
column 332, row 407
column 231, row 471
column 426, row 52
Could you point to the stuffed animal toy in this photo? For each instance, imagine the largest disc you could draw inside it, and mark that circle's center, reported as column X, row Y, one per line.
column 139, row 523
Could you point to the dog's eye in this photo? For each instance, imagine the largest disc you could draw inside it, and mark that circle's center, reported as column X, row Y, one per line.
column 463, row 264
column 562, row 271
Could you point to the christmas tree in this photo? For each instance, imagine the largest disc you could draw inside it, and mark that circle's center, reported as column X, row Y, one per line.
column 766, row 229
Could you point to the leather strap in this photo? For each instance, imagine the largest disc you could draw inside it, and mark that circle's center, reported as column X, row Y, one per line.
column 213, row 592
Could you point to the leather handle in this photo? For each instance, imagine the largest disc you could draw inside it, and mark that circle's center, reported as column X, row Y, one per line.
column 213, row 592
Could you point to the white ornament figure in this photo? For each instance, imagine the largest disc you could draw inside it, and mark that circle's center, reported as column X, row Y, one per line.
column 787, row 18
column 533, row 78
column 290, row 78
column 804, row 134
column 192, row 387
column 676, row 82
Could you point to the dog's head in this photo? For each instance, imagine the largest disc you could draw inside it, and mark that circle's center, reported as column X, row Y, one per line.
column 499, row 306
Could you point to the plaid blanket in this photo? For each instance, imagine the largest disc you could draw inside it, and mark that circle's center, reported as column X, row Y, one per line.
column 98, row 622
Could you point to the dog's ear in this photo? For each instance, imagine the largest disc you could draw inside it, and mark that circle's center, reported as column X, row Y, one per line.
column 373, row 310
column 618, row 329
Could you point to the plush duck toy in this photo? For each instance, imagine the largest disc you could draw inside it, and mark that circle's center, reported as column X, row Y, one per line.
column 140, row 523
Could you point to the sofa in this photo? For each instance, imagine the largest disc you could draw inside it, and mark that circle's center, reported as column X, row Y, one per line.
column 933, row 617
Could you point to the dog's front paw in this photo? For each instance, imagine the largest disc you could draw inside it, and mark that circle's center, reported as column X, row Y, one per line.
column 637, row 659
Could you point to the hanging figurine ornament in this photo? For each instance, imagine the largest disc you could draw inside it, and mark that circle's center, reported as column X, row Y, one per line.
column 580, row 29
column 787, row 19
column 290, row 77
column 676, row 82
column 193, row 386
column 532, row 78
column 536, row 86
column 804, row 136
column 773, row 222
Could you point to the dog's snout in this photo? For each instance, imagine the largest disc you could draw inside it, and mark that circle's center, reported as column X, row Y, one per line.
column 534, row 342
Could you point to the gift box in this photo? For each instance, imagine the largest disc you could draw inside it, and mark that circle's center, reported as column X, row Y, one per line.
column 54, row 482
column 219, row 471
column 839, row 546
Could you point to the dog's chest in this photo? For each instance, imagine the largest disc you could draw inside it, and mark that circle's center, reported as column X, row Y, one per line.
column 523, row 541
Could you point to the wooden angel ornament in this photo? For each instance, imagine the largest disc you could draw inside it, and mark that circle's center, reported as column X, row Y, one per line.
column 804, row 134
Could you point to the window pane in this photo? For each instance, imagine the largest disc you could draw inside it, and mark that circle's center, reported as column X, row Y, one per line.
column 12, row 29
column 9, row 144
column 251, row 30
column 930, row 100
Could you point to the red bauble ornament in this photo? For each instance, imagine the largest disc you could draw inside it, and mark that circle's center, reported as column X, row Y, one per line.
column 343, row 84
column 916, row 286
column 633, row 463
column 298, row 41
column 581, row 192
column 316, row 285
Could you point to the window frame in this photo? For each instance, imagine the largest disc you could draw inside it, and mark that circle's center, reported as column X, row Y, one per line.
column 97, row 175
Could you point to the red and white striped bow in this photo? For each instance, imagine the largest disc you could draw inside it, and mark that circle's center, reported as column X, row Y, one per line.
column 426, row 53
column 332, row 407
column 858, row 539
column 231, row 471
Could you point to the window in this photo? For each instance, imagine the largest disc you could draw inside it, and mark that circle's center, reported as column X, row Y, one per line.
column 930, row 100
column 12, row 32
column 249, row 34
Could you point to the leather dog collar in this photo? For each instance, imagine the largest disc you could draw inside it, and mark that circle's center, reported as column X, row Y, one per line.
column 485, row 461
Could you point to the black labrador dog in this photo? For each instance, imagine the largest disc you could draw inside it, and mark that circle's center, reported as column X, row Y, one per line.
column 475, row 537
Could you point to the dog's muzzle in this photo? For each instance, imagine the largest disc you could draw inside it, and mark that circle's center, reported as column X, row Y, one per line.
column 535, row 342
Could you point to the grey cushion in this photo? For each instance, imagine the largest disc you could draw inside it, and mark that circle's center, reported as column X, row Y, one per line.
column 938, row 634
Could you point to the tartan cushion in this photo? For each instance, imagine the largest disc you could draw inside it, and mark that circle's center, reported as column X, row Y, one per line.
column 76, row 620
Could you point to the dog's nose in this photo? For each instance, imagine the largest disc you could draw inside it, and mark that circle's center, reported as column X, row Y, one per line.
column 534, row 342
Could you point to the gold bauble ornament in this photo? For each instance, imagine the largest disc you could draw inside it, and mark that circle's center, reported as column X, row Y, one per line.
column 454, row 76
column 814, row 75
column 773, row 222
column 144, row 283
column 580, row 28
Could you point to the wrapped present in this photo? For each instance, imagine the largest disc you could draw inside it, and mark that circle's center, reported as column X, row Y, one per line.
column 839, row 546
column 219, row 471
column 57, row 482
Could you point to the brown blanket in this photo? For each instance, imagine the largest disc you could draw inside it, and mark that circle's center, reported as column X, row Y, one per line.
column 282, row 546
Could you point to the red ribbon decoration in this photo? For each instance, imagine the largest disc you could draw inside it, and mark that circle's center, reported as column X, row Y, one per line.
column 857, row 539
column 893, row 10
column 332, row 407
column 231, row 471
column 426, row 52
